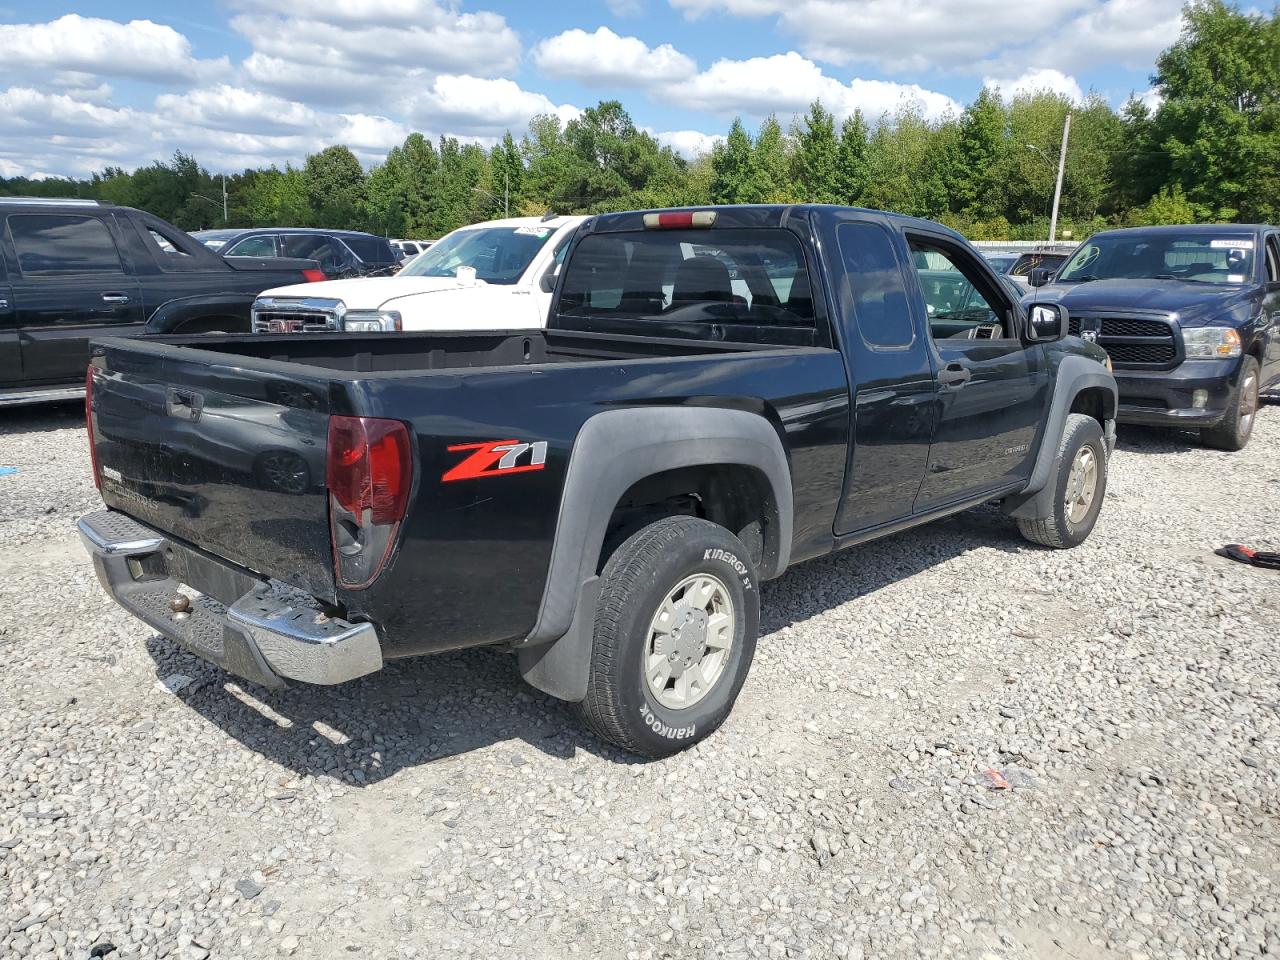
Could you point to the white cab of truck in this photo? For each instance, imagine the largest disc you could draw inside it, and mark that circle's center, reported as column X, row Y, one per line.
column 496, row 275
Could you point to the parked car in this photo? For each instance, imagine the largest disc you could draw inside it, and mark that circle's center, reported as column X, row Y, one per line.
column 603, row 497
column 75, row 269
column 1190, row 316
column 340, row 253
column 495, row 275
column 408, row 249
column 1000, row 261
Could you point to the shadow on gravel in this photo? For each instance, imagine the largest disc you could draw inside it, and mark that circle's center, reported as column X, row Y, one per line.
column 1135, row 439
column 411, row 712
column 41, row 418
column 428, row 709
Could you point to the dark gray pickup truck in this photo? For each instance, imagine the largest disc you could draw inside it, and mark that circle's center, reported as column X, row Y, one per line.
column 719, row 394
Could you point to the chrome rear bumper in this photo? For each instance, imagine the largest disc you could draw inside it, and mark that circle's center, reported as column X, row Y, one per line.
column 269, row 633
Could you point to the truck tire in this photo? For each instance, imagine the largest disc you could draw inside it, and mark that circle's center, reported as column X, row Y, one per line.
column 1237, row 425
column 1079, row 487
column 675, row 633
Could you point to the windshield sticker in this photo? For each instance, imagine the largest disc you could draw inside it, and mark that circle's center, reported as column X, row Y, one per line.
column 1231, row 244
column 541, row 232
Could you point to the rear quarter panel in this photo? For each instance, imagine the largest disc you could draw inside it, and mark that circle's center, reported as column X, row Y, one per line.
column 473, row 556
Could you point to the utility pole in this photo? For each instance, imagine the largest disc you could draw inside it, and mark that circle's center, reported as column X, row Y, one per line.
column 224, row 195
column 1057, row 190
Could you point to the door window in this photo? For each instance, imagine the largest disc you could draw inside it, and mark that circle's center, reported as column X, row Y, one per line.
column 62, row 244
column 262, row 246
column 961, row 302
column 874, row 285
column 313, row 247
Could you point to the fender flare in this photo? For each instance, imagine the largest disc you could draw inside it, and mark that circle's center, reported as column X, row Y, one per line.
column 1075, row 374
column 613, row 451
column 173, row 313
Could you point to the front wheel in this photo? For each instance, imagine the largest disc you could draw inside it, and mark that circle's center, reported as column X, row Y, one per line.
column 1237, row 425
column 1079, row 486
column 675, row 633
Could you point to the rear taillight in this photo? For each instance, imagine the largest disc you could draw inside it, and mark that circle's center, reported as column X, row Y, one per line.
column 369, row 474
column 88, row 419
column 312, row 275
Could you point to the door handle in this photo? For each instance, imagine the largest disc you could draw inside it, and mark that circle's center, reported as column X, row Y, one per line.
column 115, row 298
column 954, row 375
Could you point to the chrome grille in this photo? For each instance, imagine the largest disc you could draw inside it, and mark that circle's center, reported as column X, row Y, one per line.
column 308, row 315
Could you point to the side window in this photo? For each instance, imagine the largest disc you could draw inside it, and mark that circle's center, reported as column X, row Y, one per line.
column 873, row 285
column 314, row 247
column 1273, row 259
column 959, row 299
column 60, row 244
column 263, row 246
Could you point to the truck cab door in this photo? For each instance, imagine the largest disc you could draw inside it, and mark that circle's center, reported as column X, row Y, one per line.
column 71, row 286
column 890, row 372
column 992, row 388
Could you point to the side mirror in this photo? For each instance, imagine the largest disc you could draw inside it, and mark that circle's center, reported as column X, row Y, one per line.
column 547, row 282
column 1047, row 322
column 1038, row 276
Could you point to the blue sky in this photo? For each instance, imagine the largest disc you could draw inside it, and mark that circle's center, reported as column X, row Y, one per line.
column 249, row 82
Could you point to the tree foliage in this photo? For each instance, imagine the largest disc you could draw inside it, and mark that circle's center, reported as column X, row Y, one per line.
column 1206, row 147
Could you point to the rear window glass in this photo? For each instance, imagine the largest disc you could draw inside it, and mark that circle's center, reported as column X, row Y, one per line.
column 752, row 278
column 63, row 244
column 371, row 249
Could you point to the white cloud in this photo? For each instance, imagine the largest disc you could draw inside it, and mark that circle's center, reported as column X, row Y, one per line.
column 690, row 144
column 966, row 36
column 605, row 59
column 139, row 49
column 477, row 107
column 788, row 83
column 347, row 53
column 1037, row 81
column 238, row 110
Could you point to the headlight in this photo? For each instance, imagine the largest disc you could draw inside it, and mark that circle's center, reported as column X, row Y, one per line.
column 371, row 321
column 1211, row 343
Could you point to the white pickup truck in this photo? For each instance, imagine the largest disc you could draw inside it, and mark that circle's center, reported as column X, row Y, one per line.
column 489, row 276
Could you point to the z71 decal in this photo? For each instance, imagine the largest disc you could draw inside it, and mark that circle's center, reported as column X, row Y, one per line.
column 497, row 458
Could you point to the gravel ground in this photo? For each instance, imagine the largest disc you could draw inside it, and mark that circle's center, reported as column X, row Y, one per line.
column 951, row 744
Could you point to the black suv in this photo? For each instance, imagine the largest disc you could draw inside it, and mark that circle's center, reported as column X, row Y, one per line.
column 71, row 270
column 1190, row 316
column 340, row 253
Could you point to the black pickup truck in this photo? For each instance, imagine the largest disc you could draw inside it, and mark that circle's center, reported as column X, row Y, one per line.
column 71, row 270
column 1190, row 316
column 720, row 394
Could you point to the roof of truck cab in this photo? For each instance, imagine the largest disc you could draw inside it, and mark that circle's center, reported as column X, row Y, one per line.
column 551, row 223
column 1187, row 229
column 768, row 214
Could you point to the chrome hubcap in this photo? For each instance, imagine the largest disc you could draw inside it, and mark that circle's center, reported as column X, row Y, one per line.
column 1248, row 403
column 1082, row 484
column 690, row 639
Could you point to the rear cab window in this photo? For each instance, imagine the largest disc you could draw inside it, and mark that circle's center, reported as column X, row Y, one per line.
column 745, row 285
column 371, row 249
column 60, row 244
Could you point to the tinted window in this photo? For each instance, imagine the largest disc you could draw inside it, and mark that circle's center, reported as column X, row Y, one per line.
column 873, row 285
column 1031, row 261
column 371, row 249
column 723, row 277
column 264, row 246
column 63, row 244
column 313, row 247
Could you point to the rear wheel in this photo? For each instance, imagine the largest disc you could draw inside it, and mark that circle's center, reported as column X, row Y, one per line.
column 675, row 633
column 1079, row 487
column 1237, row 425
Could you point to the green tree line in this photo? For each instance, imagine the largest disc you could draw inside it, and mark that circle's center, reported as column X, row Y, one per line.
column 1210, row 150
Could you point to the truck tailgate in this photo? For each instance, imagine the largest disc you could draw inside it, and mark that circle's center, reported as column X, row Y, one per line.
column 227, row 458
